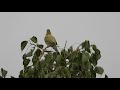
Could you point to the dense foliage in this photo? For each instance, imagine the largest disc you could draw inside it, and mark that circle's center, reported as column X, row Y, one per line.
column 38, row 62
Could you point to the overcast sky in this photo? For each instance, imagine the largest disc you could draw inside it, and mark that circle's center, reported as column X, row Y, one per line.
column 101, row 28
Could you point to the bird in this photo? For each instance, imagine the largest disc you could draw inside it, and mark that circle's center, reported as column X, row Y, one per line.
column 50, row 40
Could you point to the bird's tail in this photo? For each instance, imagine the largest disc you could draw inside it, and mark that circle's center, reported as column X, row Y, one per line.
column 55, row 48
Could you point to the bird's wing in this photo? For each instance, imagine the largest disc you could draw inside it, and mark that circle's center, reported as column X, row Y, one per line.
column 50, row 40
column 54, row 40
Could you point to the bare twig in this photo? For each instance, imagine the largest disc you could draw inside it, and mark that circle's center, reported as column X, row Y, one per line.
column 65, row 44
column 43, row 52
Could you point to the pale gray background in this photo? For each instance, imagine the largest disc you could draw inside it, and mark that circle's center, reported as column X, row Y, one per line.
column 101, row 28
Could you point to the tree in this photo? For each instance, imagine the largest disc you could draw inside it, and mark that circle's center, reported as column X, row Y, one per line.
column 38, row 62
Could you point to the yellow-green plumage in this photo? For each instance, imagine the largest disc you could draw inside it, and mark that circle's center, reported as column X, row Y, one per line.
column 50, row 40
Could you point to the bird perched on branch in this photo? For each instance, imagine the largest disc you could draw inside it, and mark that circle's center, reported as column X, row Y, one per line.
column 50, row 40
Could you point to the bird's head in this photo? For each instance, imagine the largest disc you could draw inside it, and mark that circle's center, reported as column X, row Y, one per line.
column 48, row 31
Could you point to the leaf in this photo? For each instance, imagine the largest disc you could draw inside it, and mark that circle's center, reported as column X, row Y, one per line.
column 85, row 57
column 24, row 56
column 12, row 77
column 88, row 65
column 88, row 74
column 94, row 47
column 40, row 46
column 30, row 53
column 21, row 75
column 106, row 76
column 93, row 59
column 97, row 54
column 58, row 58
column 35, row 59
column 37, row 52
column 62, row 61
column 93, row 74
column 47, row 75
column 4, row 72
column 29, row 72
column 67, row 73
column 83, row 45
column 23, row 45
column 34, row 39
column 99, row 70
column 54, row 55
column 70, row 49
column 58, row 76
column 26, row 62
column 87, row 46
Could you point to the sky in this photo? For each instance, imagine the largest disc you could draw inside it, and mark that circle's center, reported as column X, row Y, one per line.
column 100, row 28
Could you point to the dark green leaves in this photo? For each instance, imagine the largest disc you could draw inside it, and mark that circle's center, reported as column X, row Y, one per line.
column 88, row 65
column 37, row 52
column 106, row 76
column 34, row 39
column 21, row 75
column 99, row 70
column 97, row 54
column 85, row 57
column 12, row 77
column 30, row 53
column 69, row 63
column 70, row 49
column 23, row 45
column 40, row 46
column 93, row 59
column 26, row 62
column 87, row 46
column 35, row 59
column 94, row 47
column 28, row 72
column 4, row 72
column 93, row 73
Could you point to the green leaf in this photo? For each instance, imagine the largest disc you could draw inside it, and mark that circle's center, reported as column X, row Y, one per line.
column 26, row 62
column 85, row 57
column 106, row 76
column 70, row 49
column 99, row 70
column 21, row 75
column 87, row 46
column 93, row 59
column 29, row 72
column 37, row 52
column 67, row 73
column 62, row 61
column 34, row 39
column 47, row 75
column 54, row 55
column 58, row 76
column 4, row 72
column 58, row 58
column 88, row 74
column 88, row 65
column 94, row 47
column 40, row 46
column 83, row 45
column 97, row 54
column 35, row 59
column 12, row 77
column 93, row 73
column 24, row 56
column 23, row 45
column 30, row 53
